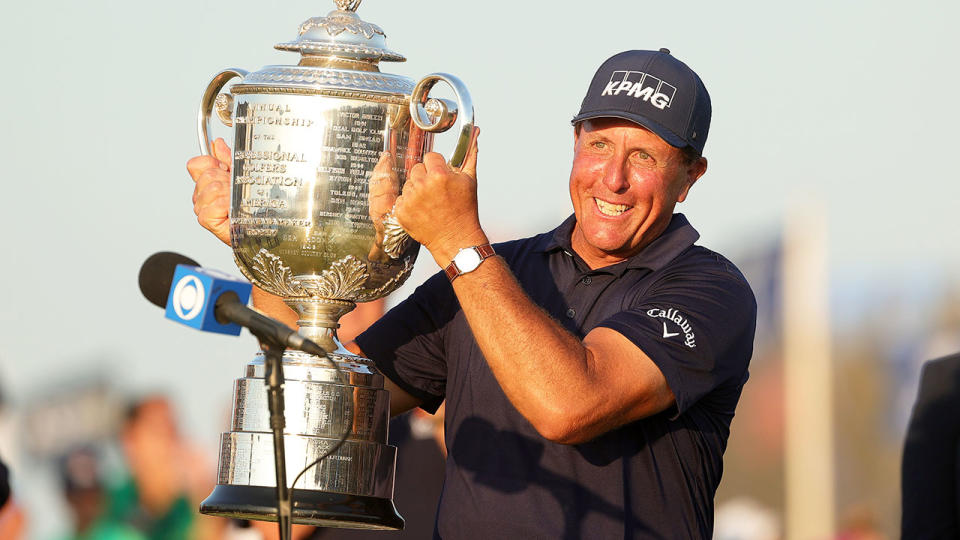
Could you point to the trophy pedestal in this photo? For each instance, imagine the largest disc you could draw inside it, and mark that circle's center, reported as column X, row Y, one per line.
column 317, row 508
column 351, row 487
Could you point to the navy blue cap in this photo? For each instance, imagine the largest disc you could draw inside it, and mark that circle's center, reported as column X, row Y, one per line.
column 655, row 90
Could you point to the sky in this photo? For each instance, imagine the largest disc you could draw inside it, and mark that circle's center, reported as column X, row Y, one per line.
column 845, row 106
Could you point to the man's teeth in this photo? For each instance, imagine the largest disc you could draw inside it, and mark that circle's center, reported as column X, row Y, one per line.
column 609, row 209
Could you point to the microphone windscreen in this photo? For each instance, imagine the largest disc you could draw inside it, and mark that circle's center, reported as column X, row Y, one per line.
column 156, row 275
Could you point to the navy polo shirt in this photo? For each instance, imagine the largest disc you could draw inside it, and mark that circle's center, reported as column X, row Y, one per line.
column 688, row 308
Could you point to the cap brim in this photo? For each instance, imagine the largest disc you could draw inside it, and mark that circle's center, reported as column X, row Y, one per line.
column 670, row 137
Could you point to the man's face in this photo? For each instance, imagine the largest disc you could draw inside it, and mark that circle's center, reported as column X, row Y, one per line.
column 624, row 185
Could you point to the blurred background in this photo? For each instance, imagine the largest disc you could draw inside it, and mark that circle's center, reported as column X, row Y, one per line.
column 830, row 184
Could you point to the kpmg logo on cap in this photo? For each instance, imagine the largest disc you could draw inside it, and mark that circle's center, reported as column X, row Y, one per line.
column 641, row 86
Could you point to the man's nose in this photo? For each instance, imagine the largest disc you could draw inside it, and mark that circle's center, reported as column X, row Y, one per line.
column 615, row 176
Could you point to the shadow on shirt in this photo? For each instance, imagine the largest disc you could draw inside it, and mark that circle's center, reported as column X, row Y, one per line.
column 516, row 467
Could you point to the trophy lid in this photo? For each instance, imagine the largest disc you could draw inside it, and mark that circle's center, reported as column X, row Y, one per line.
column 342, row 34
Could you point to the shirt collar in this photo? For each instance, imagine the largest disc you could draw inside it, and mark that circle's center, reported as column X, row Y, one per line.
column 678, row 236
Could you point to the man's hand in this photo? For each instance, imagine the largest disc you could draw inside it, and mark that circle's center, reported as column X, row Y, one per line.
column 211, row 196
column 384, row 188
column 438, row 207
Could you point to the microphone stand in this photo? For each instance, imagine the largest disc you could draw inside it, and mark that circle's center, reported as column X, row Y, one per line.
column 273, row 347
column 273, row 378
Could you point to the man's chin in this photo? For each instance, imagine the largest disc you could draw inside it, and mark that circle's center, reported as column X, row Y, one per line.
column 600, row 240
column 610, row 247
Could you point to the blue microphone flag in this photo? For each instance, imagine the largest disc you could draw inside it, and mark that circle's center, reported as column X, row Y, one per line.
column 193, row 296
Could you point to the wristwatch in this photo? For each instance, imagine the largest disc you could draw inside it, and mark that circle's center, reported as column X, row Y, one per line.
column 468, row 259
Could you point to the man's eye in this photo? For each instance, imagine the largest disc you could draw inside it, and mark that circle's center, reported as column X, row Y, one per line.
column 643, row 159
column 600, row 145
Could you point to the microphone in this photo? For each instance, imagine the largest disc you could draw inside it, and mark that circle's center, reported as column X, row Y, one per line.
column 211, row 301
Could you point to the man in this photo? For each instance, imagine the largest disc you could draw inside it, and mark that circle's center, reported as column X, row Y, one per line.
column 12, row 519
column 167, row 477
column 86, row 497
column 590, row 373
column 929, row 477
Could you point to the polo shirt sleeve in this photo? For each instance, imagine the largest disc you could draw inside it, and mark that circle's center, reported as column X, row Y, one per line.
column 406, row 344
column 697, row 325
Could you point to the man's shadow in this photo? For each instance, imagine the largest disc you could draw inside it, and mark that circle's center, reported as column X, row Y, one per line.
column 521, row 455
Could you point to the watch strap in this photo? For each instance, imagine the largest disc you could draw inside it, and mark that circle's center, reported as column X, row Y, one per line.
column 484, row 250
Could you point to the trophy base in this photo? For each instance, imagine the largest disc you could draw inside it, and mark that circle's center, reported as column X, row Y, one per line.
column 318, row 508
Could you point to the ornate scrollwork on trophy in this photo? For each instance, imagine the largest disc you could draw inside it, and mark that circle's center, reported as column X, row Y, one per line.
column 390, row 285
column 347, row 5
column 329, row 78
column 337, row 23
column 342, row 34
column 344, row 278
column 395, row 239
column 269, row 270
column 223, row 105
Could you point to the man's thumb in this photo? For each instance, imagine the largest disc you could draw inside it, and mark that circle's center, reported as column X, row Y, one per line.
column 470, row 162
column 222, row 152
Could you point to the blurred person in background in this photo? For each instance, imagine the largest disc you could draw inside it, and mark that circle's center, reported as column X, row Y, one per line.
column 13, row 523
column 10, row 443
column 167, row 480
column 930, row 470
column 12, row 518
column 744, row 518
column 84, row 491
column 859, row 523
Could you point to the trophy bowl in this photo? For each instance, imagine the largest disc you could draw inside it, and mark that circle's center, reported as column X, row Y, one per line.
column 321, row 151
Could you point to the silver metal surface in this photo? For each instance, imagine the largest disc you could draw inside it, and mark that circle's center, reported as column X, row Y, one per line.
column 306, row 205
column 358, row 468
column 211, row 95
column 315, row 408
column 321, row 151
column 301, row 366
column 342, row 33
column 327, row 79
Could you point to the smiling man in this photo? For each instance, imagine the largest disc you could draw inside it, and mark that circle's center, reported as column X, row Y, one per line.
column 591, row 372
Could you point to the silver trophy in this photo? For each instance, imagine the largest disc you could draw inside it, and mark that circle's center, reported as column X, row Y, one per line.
column 321, row 151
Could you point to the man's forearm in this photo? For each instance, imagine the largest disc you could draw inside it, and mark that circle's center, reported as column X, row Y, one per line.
column 541, row 367
column 274, row 306
column 571, row 390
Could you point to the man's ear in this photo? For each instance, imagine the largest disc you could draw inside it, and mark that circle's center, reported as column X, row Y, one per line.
column 694, row 171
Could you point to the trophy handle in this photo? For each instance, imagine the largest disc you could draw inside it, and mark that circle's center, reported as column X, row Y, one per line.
column 433, row 115
column 223, row 103
column 441, row 114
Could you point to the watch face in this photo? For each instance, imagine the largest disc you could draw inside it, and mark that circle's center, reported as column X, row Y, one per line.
column 467, row 260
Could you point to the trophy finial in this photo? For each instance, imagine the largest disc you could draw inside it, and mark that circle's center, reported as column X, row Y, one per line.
column 343, row 34
column 347, row 5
